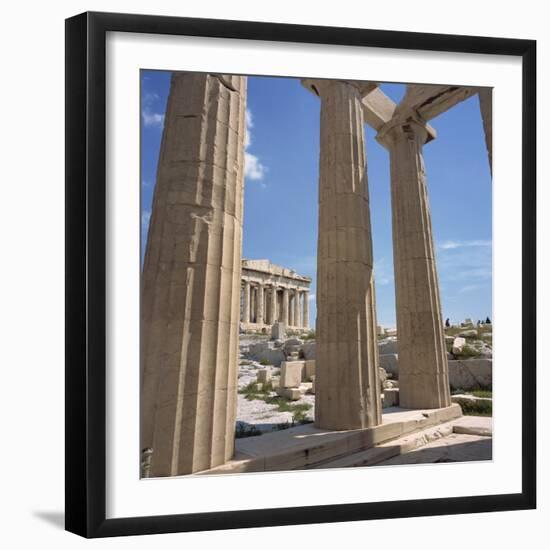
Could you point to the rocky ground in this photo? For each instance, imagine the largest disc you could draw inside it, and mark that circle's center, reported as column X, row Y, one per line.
column 265, row 411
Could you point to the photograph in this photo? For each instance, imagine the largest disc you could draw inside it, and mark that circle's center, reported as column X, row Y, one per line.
column 316, row 274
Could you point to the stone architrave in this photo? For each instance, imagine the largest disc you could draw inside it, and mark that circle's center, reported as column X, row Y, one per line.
column 347, row 384
column 423, row 369
column 246, row 302
column 192, row 278
column 306, row 309
column 297, row 319
column 286, row 299
column 260, row 304
column 273, row 309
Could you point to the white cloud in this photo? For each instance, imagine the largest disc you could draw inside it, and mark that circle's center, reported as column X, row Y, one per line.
column 450, row 245
column 152, row 119
column 253, row 168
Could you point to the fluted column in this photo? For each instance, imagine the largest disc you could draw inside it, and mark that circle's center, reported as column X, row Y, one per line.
column 192, row 278
column 286, row 299
column 297, row 319
column 273, row 312
column 246, row 302
column 306, row 309
column 260, row 303
column 423, row 369
column 347, row 381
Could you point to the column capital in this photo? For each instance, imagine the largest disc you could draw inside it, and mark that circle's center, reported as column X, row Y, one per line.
column 409, row 126
column 323, row 86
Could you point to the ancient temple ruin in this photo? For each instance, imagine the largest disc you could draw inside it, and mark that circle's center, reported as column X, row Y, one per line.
column 273, row 293
column 196, row 292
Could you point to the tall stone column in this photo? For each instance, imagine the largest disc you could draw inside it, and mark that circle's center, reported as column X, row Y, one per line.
column 192, row 278
column 273, row 296
column 347, row 381
column 286, row 299
column 246, row 302
column 297, row 319
column 423, row 368
column 306, row 309
column 260, row 303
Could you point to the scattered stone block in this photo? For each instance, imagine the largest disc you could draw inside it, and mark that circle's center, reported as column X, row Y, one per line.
column 275, row 383
column 468, row 333
column 309, row 369
column 468, row 374
column 291, row 373
column 389, row 363
column 391, row 397
column 264, row 375
column 313, row 385
column 458, row 344
column 292, row 394
column 278, row 331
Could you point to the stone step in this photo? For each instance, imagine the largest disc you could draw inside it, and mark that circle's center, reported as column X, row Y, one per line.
column 306, row 446
column 388, row 450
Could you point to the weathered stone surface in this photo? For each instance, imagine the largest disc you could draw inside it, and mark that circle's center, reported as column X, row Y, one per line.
column 458, row 345
column 391, row 397
column 309, row 369
column 278, row 331
column 347, row 385
column 292, row 394
column 308, row 349
column 264, row 375
column 468, row 333
column 388, row 346
column 266, row 352
column 423, row 370
column 192, row 278
column 389, row 363
column 471, row 374
column 291, row 373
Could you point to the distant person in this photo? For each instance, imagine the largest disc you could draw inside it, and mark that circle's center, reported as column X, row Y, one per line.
column 447, row 323
column 487, row 321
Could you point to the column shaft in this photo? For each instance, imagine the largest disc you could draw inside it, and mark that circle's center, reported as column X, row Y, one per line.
column 423, row 368
column 273, row 296
column 246, row 302
column 347, row 380
column 306, row 309
column 260, row 304
column 297, row 319
column 286, row 299
column 192, row 278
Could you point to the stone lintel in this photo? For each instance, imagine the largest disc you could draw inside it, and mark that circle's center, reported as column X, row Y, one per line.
column 315, row 85
column 429, row 101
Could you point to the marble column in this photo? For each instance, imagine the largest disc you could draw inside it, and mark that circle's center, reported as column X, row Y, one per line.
column 347, row 380
column 192, row 278
column 306, row 309
column 273, row 313
column 246, row 302
column 260, row 304
column 423, row 368
column 297, row 317
column 286, row 299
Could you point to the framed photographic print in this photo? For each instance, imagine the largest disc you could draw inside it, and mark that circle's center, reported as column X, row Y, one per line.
column 298, row 259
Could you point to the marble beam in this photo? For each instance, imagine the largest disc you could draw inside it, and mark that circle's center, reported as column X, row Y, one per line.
column 192, row 278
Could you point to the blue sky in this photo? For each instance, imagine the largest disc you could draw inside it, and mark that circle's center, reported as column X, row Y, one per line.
column 280, row 206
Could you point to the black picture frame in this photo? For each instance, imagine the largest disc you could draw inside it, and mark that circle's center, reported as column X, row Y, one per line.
column 86, row 273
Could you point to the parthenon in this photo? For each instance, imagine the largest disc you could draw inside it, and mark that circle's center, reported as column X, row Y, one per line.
column 197, row 292
column 273, row 293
